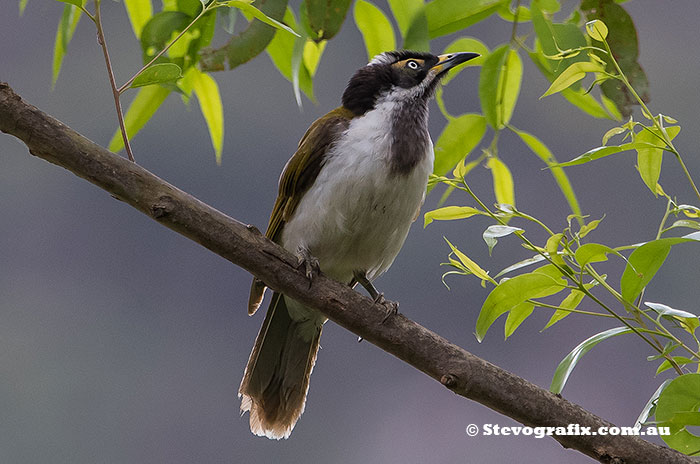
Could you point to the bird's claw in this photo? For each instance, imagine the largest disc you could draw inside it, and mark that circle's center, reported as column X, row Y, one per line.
column 392, row 307
column 309, row 263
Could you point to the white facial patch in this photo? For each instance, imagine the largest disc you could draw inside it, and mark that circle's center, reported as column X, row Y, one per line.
column 382, row 58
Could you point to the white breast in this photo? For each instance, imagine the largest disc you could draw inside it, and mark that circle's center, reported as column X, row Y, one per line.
column 356, row 215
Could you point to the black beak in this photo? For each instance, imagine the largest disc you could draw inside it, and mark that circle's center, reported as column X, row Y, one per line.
column 451, row 60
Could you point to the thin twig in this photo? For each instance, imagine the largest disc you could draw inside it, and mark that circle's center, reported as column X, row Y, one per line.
column 112, row 83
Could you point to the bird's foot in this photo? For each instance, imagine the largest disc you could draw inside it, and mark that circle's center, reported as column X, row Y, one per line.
column 309, row 263
column 392, row 307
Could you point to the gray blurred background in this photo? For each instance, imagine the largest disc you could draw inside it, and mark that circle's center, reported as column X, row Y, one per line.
column 122, row 342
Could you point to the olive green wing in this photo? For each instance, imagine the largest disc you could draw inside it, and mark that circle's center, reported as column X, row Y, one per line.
column 298, row 175
column 303, row 167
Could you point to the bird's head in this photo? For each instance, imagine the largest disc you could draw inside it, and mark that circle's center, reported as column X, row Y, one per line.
column 406, row 74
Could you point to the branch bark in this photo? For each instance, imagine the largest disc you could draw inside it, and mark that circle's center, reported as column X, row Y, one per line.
column 243, row 245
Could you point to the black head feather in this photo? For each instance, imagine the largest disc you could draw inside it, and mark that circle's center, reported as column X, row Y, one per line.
column 380, row 75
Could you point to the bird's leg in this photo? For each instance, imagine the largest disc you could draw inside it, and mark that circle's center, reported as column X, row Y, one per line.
column 392, row 307
column 310, row 263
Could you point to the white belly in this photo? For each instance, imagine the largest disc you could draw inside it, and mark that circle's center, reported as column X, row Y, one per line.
column 356, row 215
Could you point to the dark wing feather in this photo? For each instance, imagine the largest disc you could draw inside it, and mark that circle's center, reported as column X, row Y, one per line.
column 298, row 175
column 303, row 167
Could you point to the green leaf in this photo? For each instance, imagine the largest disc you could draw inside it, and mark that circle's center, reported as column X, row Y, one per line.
column 22, row 6
column 688, row 320
column 159, row 31
column 470, row 265
column 552, row 248
column 142, row 107
column 592, row 253
column 494, row 232
column 207, row 92
column 139, row 12
column 521, row 264
column 680, row 360
column 648, row 409
column 512, row 292
column 562, row 180
column 597, row 30
column 324, row 18
column 463, row 169
column 523, row 13
column 572, row 300
column 676, row 408
column 517, row 316
column 488, row 84
column 448, row 16
column 689, row 210
column 649, row 159
column 461, row 45
column 602, row 152
column 550, row 6
column 281, row 52
column 509, row 85
column 502, row 181
column 643, row 264
column 685, row 223
column 459, row 137
column 576, row 96
column 554, row 40
column 185, row 51
column 611, row 108
column 549, row 270
column 623, row 43
column 74, row 2
column 417, row 37
column 613, row 132
column 158, row 73
column 404, row 12
column 376, row 29
column 499, row 85
column 572, row 74
column 588, row 228
column 248, row 44
column 227, row 19
column 64, row 34
column 250, row 10
column 567, row 365
column 450, row 213
column 312, row 55
column 413, row 24
column 297, row 64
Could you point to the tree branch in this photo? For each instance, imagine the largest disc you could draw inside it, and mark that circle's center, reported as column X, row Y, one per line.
column 458, row 370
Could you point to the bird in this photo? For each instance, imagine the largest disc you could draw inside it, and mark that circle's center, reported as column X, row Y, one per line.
column 346, row 200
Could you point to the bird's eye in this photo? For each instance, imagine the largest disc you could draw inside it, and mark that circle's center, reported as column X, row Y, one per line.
column 412, row 65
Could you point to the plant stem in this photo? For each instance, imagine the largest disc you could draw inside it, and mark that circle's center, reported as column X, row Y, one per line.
column 514, row 31
column 112, row 83
column 577, row 311
column 663, row 220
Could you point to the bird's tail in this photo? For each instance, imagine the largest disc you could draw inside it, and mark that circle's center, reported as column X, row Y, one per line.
column 276, row 378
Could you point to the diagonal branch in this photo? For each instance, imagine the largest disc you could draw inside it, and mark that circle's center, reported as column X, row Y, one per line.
column 460, row 371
